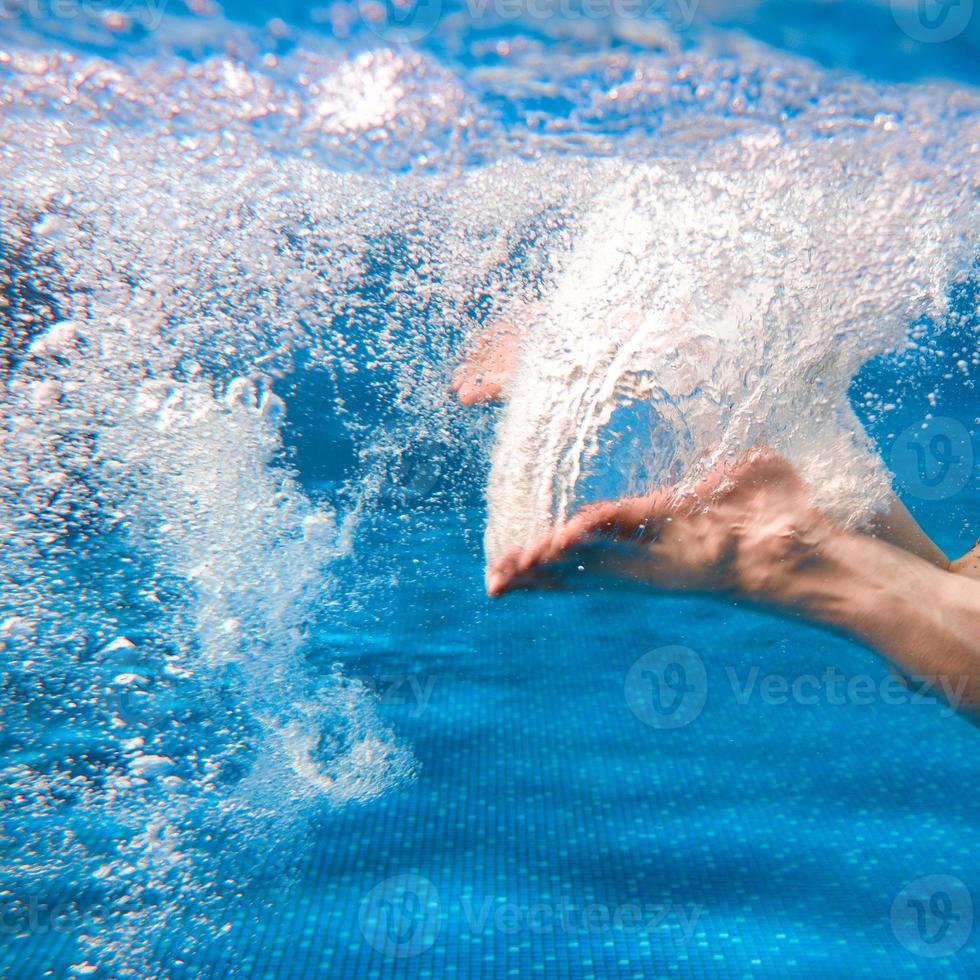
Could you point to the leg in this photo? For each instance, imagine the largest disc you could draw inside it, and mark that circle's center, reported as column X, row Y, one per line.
column 901, row 529
column 484, row 375
column 748, row 532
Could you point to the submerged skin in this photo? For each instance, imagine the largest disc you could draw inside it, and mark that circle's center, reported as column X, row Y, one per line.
column 482, row 376
column 748, row 532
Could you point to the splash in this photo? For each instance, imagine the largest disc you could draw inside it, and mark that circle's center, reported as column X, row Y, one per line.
column 161, row 571
column 166, row 570
column 713, row 304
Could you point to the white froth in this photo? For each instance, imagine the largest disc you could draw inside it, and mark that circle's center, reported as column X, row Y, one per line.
column 736, row 296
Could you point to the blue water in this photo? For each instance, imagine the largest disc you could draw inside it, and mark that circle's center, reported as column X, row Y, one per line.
column 783, row 830
column 559, row 820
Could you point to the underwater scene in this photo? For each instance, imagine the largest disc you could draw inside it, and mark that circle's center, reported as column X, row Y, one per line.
column 489, row 488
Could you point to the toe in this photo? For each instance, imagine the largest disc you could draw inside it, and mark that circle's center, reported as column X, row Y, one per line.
column 502, row 572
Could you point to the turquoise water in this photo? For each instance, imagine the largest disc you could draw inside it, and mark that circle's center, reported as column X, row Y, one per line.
column 259, row 718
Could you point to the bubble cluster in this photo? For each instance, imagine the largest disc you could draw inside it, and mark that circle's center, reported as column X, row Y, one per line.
column 732, row 299
column 165, row 568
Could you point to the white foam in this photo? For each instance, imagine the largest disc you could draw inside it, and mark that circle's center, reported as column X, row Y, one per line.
column 735, row 296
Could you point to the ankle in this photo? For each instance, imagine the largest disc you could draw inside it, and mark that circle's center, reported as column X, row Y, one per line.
column 789, row 563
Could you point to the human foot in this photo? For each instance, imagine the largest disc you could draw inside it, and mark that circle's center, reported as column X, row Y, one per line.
column 742, row 530
column 488, row 367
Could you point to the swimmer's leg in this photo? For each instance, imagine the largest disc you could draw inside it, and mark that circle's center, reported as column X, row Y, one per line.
column 750, row 533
